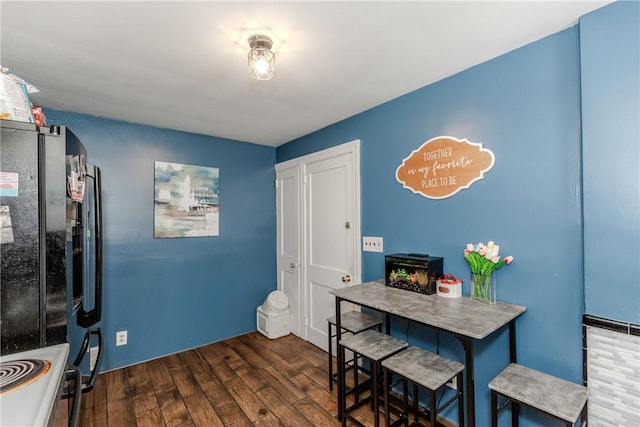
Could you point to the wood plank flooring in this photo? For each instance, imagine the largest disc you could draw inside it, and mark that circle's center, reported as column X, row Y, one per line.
column 244, row 381
column 249, row 380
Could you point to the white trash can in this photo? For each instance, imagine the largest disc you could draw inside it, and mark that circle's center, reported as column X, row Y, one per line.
column 273, row 316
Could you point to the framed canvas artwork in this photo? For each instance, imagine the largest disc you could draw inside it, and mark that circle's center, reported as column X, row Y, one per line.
column 186, row 201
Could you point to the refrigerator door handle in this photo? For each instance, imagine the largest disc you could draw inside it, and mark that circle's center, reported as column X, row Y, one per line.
column 93, row 376
column 93, row 316
column 96, row 369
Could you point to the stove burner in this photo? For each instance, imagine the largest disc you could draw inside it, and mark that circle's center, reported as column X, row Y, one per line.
column 20, row 372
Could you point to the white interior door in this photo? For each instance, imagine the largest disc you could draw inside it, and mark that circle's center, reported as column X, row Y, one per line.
column 332, row 236
column 318, row 234
column 288, row 209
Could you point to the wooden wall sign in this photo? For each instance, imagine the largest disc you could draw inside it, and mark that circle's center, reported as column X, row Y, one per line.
column 443, row 166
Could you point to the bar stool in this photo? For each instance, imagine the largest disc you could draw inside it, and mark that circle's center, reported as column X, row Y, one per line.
column 376, row 347
column 426, row 369
column 558, row 398
column 354, row 322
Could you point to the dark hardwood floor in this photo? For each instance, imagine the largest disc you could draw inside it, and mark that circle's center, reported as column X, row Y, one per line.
column 244, row 381
column 248, row 380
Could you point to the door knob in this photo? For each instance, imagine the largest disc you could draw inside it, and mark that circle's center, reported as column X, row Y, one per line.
column 292, row 265
column 346, row 278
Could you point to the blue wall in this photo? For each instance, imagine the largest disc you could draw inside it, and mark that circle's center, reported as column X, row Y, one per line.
column 174, row 294
column 525, row 106
column 610, row 54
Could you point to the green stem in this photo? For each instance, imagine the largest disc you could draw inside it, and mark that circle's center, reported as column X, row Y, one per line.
column 481, row 283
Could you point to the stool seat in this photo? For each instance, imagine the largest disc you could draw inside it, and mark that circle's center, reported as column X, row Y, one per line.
column 423, row 367
column 353, row 322
column 373, row 345
column 426, row 369
column 356, row 321
column 557, row 397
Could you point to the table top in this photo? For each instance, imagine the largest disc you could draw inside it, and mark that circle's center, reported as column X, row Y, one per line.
column 463, row 316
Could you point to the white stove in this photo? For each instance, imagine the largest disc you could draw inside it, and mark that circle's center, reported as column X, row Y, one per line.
column 32, row 402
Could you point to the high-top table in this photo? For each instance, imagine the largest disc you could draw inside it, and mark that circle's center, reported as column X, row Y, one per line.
column 463, row 317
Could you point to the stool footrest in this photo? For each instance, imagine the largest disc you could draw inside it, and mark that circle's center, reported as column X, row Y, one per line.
column 503, row 405
column 446, row 404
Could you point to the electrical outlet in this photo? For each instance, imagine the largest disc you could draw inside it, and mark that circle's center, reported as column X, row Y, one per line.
column 453, row 383
column 372, row 244
column 121, row 338
column 93, row 357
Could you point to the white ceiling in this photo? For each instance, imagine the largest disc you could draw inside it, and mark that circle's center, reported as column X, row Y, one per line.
column 182, row 65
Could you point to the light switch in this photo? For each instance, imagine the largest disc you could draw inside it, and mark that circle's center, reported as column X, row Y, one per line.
column 372, row 244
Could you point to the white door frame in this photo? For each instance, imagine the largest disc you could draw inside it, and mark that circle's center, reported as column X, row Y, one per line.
column 352, row 147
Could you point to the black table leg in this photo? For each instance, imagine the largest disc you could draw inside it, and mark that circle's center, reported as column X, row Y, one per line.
column 387, row 323
column 330, row 356
column 341, row 371
column 467, row 343
column 494, row 408
column 513, row 357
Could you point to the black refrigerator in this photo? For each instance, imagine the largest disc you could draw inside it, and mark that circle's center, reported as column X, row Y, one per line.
column 51, row 242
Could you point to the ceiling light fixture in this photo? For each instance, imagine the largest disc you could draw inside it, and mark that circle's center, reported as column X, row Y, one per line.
column 262, row 62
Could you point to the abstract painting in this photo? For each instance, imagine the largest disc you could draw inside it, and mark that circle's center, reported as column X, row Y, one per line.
column 186, row 201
